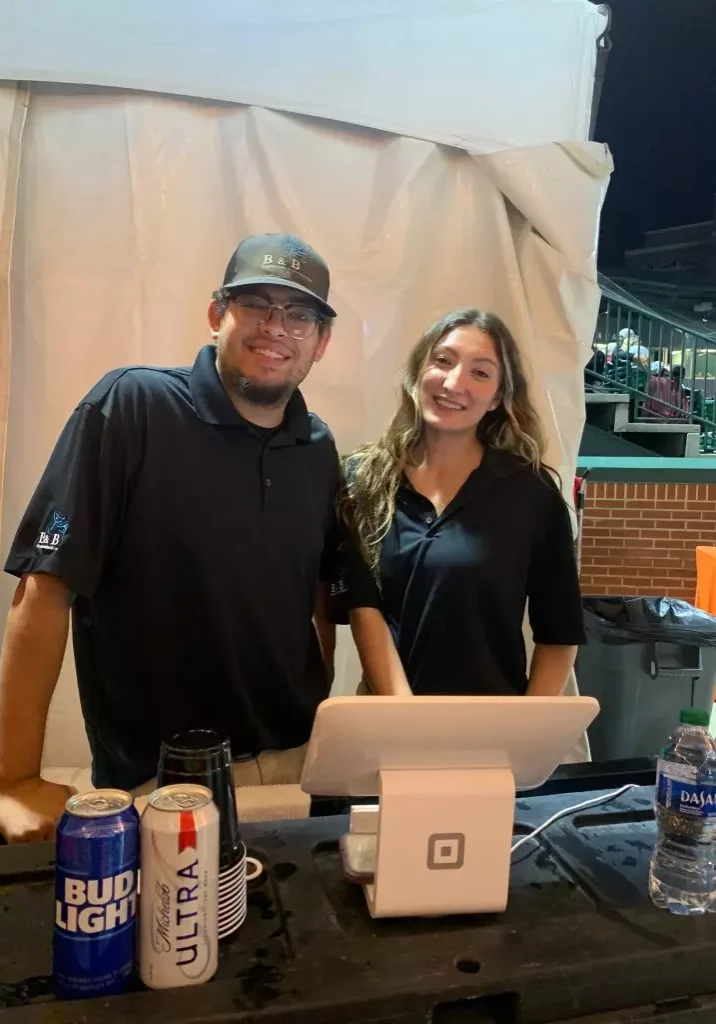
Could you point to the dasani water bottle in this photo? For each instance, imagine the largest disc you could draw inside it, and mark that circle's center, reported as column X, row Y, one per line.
column 682, row 877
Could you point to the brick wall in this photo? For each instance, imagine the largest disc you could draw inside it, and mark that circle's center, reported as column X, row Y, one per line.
column 641, row 538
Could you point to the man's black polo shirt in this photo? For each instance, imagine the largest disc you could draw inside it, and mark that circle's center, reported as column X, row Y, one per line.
column 194, row 546
column 454, row 587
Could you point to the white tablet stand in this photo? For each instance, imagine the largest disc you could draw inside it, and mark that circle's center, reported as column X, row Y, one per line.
column 443, row 841
column 445, row 770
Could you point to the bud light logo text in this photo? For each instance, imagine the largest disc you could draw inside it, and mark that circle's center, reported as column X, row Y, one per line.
column 94, row 906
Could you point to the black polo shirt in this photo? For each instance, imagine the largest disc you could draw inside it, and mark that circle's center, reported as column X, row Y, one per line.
column 194, row 545
column 453, row 587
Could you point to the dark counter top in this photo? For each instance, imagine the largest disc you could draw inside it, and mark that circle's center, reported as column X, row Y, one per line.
column 579, row 937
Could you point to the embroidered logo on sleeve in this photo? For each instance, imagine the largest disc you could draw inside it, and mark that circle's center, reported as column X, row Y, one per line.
column 54, row 534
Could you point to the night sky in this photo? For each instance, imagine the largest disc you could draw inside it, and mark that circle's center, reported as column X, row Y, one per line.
column 658, row 115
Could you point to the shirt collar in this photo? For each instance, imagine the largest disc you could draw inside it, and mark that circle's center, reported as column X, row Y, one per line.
column 213, row 405
column 496, row 462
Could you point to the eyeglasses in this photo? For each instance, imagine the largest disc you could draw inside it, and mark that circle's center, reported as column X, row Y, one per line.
column 298, row 321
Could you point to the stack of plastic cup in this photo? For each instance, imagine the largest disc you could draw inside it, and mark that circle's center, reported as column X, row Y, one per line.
column 202, row 756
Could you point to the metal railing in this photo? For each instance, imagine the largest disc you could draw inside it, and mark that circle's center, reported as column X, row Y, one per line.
column 668, row 371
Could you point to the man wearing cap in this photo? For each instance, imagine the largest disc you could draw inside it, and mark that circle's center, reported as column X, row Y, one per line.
column 185, row 518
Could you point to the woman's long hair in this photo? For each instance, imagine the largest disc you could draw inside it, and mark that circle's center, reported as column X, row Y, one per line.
column 373, row 472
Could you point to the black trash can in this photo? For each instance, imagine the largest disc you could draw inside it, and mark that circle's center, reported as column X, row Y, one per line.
column 645, row 659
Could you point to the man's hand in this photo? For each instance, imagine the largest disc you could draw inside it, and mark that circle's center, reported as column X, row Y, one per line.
column 29, row 810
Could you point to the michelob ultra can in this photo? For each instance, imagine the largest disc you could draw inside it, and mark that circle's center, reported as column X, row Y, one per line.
column 178, row 927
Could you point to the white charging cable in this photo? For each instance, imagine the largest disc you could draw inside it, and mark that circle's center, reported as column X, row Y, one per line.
column 572, row 810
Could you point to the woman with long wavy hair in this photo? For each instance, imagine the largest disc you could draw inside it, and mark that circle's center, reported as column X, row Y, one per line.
column 457, row 526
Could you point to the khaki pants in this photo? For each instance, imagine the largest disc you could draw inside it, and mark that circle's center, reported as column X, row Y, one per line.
column 267, row 787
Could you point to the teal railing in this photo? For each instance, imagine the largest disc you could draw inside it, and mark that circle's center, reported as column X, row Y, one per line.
column 667, row 369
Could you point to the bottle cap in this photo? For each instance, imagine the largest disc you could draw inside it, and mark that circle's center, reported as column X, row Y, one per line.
column 694, row 716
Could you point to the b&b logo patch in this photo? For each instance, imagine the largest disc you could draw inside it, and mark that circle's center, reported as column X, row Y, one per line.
column 54, row 534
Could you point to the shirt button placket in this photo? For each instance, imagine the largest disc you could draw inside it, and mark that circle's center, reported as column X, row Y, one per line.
column 265, row 474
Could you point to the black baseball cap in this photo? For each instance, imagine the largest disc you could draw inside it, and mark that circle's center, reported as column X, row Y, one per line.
column 280, row 259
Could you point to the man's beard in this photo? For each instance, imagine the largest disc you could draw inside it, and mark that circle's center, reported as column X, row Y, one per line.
column 257, row 394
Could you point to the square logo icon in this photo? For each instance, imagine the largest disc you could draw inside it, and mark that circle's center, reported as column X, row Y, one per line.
column 446, row 851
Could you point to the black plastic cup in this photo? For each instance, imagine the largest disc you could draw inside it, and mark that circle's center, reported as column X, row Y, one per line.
column 202, row 756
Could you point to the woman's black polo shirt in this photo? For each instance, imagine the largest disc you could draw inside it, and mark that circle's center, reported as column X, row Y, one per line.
column 194, row 547
column 454, row 587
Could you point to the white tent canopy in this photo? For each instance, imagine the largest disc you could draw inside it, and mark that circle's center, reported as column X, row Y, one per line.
column 119, row 209
column 480, row 74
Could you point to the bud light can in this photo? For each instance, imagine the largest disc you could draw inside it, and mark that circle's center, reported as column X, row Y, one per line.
column 178, row 920
column 93, row 951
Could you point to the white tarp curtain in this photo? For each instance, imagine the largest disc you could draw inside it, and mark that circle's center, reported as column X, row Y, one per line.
column 128, row 205
column 127, row 209
column 13, row 107
column 483, row 74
